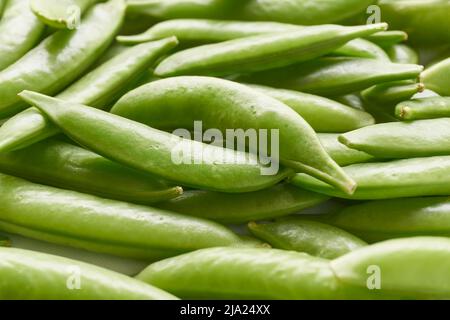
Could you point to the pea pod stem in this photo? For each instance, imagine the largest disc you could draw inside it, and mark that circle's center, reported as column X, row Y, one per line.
column 425, row 108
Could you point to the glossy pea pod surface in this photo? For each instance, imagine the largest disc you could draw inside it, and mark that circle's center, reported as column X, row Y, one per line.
column 262, row 52
column 51, row 277
column 221, row 104
column 395, row 179
column 66, row 166
column 61, row 57
column 156, row 152
column 424, row 108
column 98, row 88
column 101, row 225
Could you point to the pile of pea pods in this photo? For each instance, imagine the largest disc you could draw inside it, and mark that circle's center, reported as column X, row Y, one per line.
column 95, row 96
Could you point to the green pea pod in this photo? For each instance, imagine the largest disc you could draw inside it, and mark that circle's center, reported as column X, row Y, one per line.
column 280, row 200
column 420, row 138
column 401, row 53
column 388, row 38
column 334, row 76
column 436, row 78
column 61, row 14
column 353, row 100
column 388, row 94
column 60, row 58
column 67, row 166
column 191, row 163
column 340, row 153
column 415, row 267
column 262, row 52
column 425, row 108
column 101, row 225
column 20, row 30
column 98, row 88
column 4, row 241
column 380, row 220
column 178, row 102
column 384, row 180
column 426, row 21
column 49, row 277
column 324, row 115
column 315, row 238
column 361, row 48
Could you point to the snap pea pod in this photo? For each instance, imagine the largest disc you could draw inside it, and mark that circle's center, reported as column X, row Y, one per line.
column 388, row 38
column 425, row 21
column 180, row 101
column 302, row 235
column 425, row 108
column 415, row 267
column 420, row 138
column 384, row 180
column 437, row 77
column 277, row 201
column 262, row 52
column 340, row 153
column 20, row 30
column 98, row 88
column 101, row 225
column 401, row 53
column 334, row 76
column 388, row 219
column 385, row 95
column 4, row 241
column 353, row 100
column 324, row 115
column 361, row 48
column 63, row 165
column 191, row 163
column 51, row 277
column 60, row 14
column 61, row 57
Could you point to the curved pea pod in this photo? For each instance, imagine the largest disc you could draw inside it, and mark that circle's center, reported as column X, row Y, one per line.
column 312, row 237
column 4, row 241
column 277, row 201
column 156, row 152
column 384, row 180
column 322, row 114
column 426, row 22
column 388, row 38
column 60, row 58
column 101, row 225
column 395, row 218
column 361, row 48
column 401, row 53
column 99, row 88
column 425, row 108
column 49, row 277
column 178, row 102
column 420, row 138
column 387, row 94
column 437, row 77
column 63, row 165
column 340, row 153
column 334, row 76
column 262, row 52
column 20, row 30
column 416, row 267
column 60, row 14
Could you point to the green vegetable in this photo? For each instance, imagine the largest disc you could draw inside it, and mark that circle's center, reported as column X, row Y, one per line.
column 436, row 78
column 340, row 153
column 401, row 53
column 425, row 108
column 4, row 241
column 385, row 95
column 388, row 38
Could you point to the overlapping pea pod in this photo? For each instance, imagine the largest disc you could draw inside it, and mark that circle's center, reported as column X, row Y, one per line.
column 437, row 79
column 99, row 88
column 334, row 76
column 413, row 267
column 395, row 218
column 389, row 38
column 178, row 102
column 101, row 225
column 384, row 180
column 386, row 95
column 20, row 30
column 61, row 57
column 420, row 138
column 262, row 52
column 138, row 146
column 340, row 153
column 47, row 277
column 66, row 166
column 201, row 31
column 302, row 235
column 424, row 108
column 401, row 53
column 277, row 201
